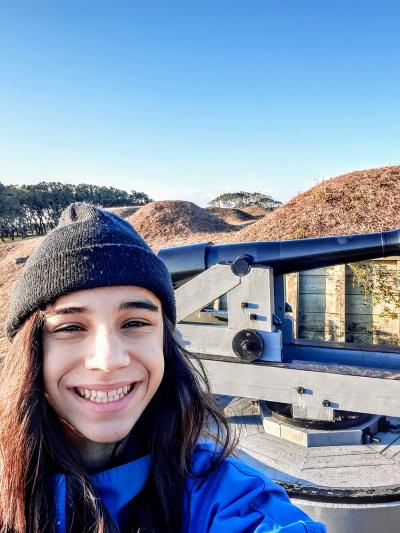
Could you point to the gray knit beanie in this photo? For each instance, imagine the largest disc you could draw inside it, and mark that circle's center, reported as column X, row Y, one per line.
column 89, row 248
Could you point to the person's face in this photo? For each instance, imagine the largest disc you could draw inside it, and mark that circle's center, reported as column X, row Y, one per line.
column 103, row 359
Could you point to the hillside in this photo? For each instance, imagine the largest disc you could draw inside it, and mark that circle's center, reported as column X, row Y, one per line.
column 168, row 222
column 231, row 215
column 256, row 212
column 125, row 211
column 357, row 202
column 9, row 272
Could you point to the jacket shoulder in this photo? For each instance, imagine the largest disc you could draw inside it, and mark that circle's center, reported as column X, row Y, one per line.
column 236, row 497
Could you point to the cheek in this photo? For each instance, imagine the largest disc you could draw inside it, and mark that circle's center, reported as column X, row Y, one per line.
column 50, row 378
column 155, row 364
column 56, row 364
column 48, row 368
column 153, row 360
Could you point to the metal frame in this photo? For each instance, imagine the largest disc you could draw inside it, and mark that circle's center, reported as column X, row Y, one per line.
column 315, row 380
column 345, row 388
column 255, row 290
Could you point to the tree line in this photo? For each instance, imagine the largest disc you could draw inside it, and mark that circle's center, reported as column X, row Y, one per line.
column 244, row 199
column 28, row 210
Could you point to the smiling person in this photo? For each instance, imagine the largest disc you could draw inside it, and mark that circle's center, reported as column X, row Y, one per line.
column 106, row 424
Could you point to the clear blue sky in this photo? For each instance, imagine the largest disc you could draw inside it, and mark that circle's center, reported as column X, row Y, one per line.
column 185, row 99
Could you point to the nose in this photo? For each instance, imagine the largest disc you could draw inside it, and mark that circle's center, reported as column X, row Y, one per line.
column 107, row 352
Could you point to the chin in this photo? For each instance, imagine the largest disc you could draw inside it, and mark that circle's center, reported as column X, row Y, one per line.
column 105, row 436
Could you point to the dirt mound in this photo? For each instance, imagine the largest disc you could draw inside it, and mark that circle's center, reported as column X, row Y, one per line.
column 124, row 212
column 358, row 202
column 168, row 220
column 231, row 215
column 256, row 212
column 9, row 272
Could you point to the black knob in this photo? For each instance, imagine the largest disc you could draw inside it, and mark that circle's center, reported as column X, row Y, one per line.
column 241, row 266
column 248, row 345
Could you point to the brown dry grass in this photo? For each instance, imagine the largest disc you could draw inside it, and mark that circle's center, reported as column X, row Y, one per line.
column 125, row 211
column 167, row 223
column 357, row 202
column 8, row 274
column 231, row 215
column 256, row 212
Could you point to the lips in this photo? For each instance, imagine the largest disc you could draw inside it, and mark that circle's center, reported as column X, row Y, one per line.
column 99, row 395
column 101, row 406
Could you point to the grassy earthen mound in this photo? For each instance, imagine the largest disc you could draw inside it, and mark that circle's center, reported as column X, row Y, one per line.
column 9, row 272
column 256, row 212
column 231, row 215
column 167, row 221
column 124, row 212
column 358, row 202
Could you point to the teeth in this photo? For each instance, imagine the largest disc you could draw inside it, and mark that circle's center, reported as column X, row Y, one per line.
column 99, row 396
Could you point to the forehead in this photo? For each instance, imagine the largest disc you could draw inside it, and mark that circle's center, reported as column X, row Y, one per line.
column 109, row 296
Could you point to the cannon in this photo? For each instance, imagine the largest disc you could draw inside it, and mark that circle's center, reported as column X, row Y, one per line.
column 184, row 262
column 322, row 419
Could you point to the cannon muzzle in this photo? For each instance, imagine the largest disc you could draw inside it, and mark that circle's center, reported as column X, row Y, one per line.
column 187, row 261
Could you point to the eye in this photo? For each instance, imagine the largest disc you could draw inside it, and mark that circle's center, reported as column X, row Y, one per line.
column 69, row 328
column 134, row 324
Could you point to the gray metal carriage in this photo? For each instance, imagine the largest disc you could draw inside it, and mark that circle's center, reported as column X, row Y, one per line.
column 320, row 418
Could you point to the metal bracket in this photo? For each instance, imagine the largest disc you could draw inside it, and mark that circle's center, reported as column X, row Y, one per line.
column 279, row 383
column 250, row 303
column 203, row 289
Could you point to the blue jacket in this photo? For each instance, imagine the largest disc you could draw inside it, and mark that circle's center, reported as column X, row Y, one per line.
column 235, row 498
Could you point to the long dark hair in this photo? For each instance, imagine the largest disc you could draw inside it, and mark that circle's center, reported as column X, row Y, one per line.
column 32, row 443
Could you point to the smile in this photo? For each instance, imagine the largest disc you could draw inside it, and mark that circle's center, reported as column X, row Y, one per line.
column 101, row 396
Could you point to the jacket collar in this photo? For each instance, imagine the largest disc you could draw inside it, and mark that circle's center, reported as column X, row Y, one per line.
column 116, row 487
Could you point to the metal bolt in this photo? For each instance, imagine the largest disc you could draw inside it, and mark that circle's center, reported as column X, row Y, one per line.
column 288, row 308
column 300, row 390
column 253, row 316
column 244, row 305
column 276, row 321
column 326, row 403
column 246, row 346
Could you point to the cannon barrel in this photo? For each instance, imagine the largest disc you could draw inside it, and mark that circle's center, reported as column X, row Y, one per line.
column 283, row 256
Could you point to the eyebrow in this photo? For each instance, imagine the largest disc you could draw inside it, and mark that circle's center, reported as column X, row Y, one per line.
column 139, row 304
column 131, row 304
